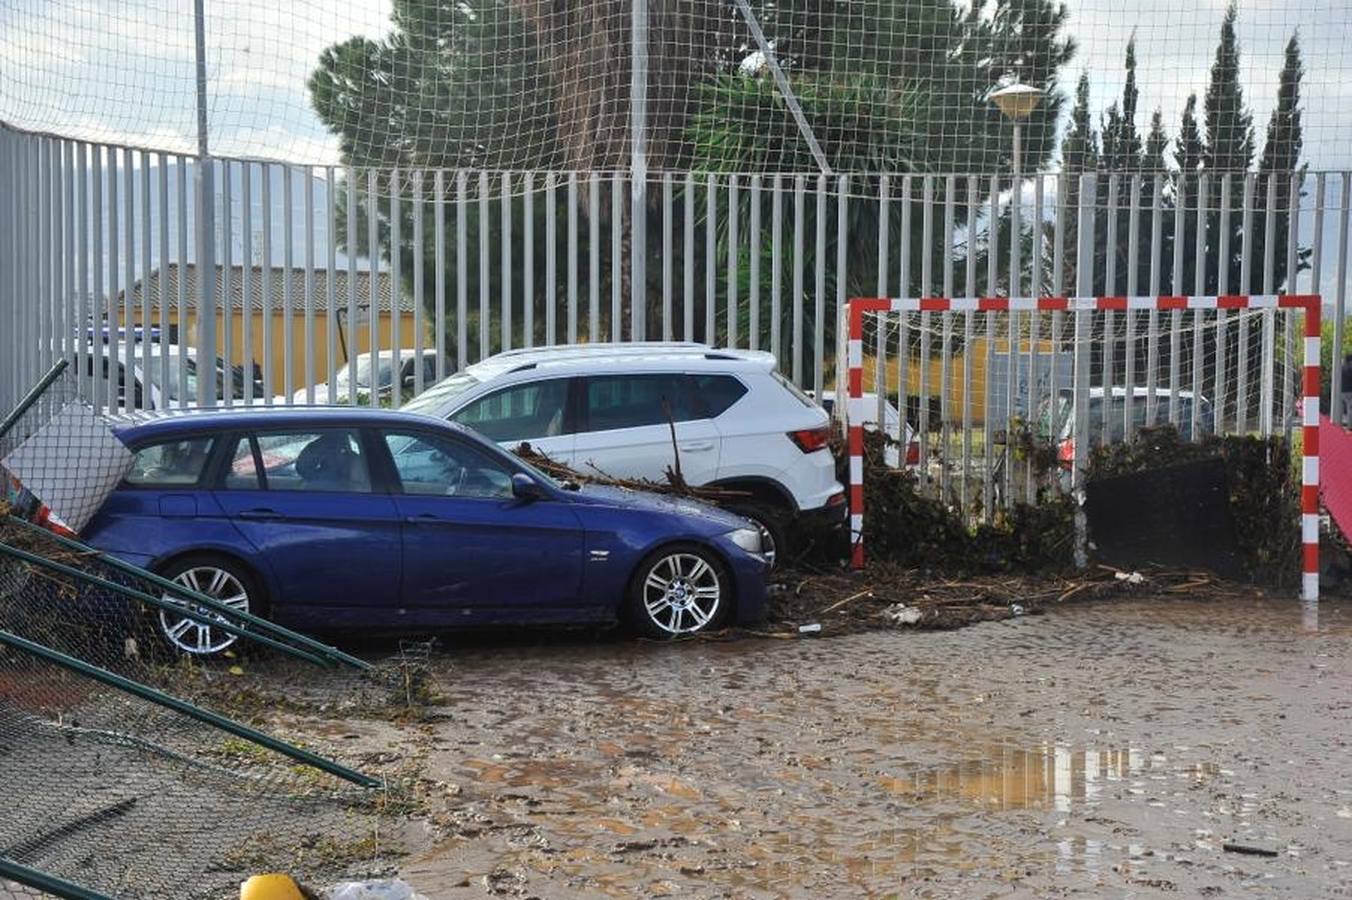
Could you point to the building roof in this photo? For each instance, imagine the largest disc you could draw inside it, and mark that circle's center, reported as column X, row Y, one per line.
column 255, row 275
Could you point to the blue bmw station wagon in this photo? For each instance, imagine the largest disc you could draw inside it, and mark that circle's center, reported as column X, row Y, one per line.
column 364, row 520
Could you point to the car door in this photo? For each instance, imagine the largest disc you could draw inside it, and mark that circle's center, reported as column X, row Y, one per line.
column 163, row 504
column 534, row 412
column 306, row 501
column 472, row 550
column 625, row 428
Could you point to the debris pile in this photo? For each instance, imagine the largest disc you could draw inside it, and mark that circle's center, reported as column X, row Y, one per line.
column 673, row 483
column 888, row 595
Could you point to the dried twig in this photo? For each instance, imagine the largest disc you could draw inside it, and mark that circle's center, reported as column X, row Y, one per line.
column 839, row 603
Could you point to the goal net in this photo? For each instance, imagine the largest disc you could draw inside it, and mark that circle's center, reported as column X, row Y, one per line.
column 993, row 402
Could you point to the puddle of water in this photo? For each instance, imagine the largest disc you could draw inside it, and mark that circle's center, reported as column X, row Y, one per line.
column 1052, row 777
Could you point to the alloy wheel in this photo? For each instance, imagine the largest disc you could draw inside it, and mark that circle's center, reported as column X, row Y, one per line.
column 682, row 593
column 195, row 637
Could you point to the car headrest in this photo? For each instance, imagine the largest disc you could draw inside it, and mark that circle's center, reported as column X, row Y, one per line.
column 326, row 457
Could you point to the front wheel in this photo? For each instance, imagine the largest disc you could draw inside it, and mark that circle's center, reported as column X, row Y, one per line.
column 221, row 579
column 679, row 590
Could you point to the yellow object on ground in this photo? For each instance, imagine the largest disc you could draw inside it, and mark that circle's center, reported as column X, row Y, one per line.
column 274, row 886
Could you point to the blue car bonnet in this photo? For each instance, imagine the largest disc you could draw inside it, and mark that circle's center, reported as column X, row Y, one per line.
column 602, row 495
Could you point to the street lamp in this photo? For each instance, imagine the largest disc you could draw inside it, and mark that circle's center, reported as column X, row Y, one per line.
column 1016, row 103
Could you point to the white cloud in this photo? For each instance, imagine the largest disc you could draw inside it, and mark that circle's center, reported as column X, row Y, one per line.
column 124, row 71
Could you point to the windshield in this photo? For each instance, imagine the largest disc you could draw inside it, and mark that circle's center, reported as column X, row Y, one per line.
column 171, row 390
column 433, row 400
column 363, row 367
column 547, row 479
column 400, row 444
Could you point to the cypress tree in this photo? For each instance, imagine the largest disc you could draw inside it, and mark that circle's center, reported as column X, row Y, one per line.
column 1079, row 154
column 1229, row 125
column 1189, row 153
column 1189, row 148
column 1229, row 149
column 1281, row 160
column 1122, row 151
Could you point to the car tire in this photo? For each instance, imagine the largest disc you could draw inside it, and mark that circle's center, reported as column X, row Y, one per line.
column 670, row 593
column 772, row 521
column 216, row 576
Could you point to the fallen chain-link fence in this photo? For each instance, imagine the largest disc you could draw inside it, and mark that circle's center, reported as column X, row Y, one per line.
column 125, row 773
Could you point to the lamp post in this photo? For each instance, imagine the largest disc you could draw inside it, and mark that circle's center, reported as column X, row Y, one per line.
column 1016, row 103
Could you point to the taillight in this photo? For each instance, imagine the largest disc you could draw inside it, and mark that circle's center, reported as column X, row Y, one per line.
column 1067, row 449
column 811, row 439
column 913, row 453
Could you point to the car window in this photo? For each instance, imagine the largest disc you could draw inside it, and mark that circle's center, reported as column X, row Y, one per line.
column 171, row 463
column 429, row 369
column 242, row 475
column 632, row 401
column 521, row 412
column 329, row 460
column 798, row 393
column 445, row 467
column 718, row 392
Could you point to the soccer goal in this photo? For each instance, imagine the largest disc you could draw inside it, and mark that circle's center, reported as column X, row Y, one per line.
column 994, row 401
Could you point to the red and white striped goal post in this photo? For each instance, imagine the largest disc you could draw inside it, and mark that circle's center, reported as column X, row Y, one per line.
column 859, row 307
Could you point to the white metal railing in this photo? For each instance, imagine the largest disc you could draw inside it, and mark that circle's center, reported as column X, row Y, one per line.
column 96, row 236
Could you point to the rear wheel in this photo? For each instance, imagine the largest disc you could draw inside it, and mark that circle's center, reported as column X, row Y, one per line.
column 679, row 590
column 217, row 577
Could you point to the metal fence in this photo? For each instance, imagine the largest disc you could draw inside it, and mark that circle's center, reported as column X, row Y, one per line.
column 99, row 248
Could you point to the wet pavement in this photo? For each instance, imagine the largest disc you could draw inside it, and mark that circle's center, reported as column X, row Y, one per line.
column 1106, row 749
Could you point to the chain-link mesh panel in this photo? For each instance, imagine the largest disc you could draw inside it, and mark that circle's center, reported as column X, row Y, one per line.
column 131, row 797
column 748, row 85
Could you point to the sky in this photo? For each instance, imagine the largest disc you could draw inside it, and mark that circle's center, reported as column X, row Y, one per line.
column 122, row 70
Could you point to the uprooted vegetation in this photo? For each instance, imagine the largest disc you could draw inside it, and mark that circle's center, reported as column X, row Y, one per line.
column 928, row 567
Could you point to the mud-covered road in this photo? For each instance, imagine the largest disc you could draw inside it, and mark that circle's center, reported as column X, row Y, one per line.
column 1106, row 749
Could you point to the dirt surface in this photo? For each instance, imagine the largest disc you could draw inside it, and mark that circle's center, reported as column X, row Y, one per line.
column 1109, row 748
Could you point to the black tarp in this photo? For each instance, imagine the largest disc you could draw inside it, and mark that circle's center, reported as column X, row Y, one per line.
column 1172, row 516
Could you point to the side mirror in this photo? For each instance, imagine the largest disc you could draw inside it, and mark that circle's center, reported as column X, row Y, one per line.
column 408, row 382
column 525, row 488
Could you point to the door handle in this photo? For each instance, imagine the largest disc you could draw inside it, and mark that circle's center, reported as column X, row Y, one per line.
column 261, row 514
column 698, row 447
column 423, row 519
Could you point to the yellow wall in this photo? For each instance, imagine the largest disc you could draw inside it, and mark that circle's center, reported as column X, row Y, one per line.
column 278, row 340
column 955, row 379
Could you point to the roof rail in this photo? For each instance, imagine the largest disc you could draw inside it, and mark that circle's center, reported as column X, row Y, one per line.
column 623, row 346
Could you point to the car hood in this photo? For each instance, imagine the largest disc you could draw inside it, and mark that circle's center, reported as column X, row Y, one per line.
column 601, row 495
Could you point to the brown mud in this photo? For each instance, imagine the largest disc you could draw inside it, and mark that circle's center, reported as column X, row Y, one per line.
column 1103, row 749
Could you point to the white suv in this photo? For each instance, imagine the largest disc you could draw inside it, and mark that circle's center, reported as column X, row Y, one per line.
column 609, row 408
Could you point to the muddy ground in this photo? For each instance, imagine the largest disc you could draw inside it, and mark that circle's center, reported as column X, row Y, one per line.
column 1105, row 748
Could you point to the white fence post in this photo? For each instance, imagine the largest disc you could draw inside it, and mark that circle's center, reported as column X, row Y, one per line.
column 1084, row 287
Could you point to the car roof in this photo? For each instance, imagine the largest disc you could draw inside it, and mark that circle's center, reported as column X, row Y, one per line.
column 141, row 426
column 404, row 353
column 636, row 356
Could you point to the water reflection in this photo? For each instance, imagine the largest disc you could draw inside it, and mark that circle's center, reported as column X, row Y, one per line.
column 1052, row 776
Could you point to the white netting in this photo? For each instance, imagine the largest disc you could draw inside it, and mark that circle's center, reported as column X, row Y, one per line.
column 883, row 85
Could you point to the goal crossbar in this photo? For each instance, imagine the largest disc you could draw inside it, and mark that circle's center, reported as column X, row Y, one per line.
column 861, row 307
